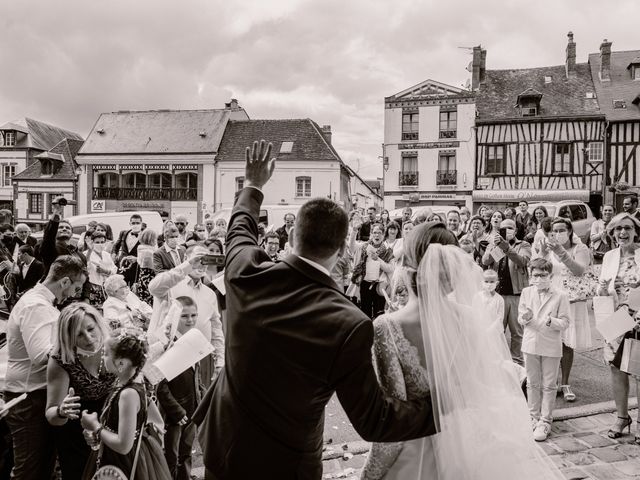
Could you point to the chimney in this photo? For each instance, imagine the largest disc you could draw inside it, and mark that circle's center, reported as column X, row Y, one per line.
column 605, row 61
column 478, row 67
column 232, row 105
column 570, row 63
column 326, row 133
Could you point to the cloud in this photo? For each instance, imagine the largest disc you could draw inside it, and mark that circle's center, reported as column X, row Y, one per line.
column 334, row 61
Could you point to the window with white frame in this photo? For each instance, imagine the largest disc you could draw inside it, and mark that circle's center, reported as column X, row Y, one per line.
column 239, row 183
column 9, row 138
column 303, row 186
column 596, row 152
column 8, row 171
column 448, row 123
column 410, row 125
column 562, row 158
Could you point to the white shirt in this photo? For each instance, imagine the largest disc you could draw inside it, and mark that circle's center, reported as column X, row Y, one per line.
column 30, row 332
column 493, row 305
column 175, row 256
column 25, row 268
column 315, row 265
column 174, row 283
column 122, row 311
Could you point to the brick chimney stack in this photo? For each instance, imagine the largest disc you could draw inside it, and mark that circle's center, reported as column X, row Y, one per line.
column 326, row 133
column 232, row 105
column 605, row 61
column 570, row 63
column 478, row 67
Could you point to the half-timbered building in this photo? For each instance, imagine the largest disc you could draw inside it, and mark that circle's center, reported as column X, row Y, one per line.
column 616, row 76
column 538, row 134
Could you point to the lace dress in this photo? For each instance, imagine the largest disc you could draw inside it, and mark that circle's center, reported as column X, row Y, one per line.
column 73, row 450
column 401, row 376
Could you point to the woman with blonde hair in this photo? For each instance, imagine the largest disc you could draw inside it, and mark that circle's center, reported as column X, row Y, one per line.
column 76, row 380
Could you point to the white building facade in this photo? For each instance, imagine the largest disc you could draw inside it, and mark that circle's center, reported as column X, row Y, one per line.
column 429, row 144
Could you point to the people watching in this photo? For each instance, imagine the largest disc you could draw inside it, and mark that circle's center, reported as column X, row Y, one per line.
column 77, row 381
column 171, row 254
column 620, row 274
column 393, row 239
column 569, row 259
column 28, row 270
column 465, row 218
column 284, row 231
column 148, row 245
column 453, row 223
column 181, row 223
column 523, row 214
column 630, row 206
column 493, row 226
column 179, row 399
column 100, row 266
column 365, row 228
column 407, row 212
column 509, row 257
column 375, row 267
column 30, row 329
column 600, row 240
column 122, row 308
column 272, row 245
column 127, row 246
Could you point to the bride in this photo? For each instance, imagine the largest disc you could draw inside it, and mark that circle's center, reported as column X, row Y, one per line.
column 437, row 343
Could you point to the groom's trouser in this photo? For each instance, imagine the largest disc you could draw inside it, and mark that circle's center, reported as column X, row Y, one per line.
column 542, row 373
column 511, row 303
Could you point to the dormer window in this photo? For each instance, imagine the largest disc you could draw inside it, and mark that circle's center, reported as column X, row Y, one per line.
column 619, row 104
column 7, row 138
column 529, row 103
column 286, row 147
column 634, row 68
column 47, row 167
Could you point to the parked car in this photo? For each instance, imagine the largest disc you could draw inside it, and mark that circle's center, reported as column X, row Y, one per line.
column 270, row 215
column 580, row 214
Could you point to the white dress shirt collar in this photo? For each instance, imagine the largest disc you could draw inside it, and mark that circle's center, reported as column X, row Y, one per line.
column 315, row 265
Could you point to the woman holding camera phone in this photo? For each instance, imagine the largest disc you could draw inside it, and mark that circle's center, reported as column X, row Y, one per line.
column 570, row 258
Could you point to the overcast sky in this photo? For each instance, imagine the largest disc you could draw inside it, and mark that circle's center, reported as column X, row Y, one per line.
column 334, row 61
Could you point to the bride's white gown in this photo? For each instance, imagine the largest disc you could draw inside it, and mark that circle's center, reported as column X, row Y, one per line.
column 484, row 427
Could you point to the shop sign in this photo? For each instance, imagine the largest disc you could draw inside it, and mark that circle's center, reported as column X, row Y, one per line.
column 414, row 197
column 185, row 167
column 104, row 167
column 98, row 206
column 530, row 195
column 414, row 146
column 145, row 205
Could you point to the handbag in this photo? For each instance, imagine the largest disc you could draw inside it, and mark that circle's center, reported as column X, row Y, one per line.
column 600, row 250
column 630, row 361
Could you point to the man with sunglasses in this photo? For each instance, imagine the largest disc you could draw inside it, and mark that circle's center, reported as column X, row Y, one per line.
column 181, row 223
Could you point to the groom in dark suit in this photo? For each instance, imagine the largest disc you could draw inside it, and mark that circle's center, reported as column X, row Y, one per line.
column 292, row 340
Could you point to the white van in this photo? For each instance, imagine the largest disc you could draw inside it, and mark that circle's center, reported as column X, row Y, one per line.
column 270, row 215
column 118, row 221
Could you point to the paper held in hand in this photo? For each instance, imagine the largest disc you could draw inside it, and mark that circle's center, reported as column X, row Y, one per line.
column 497, row 254
column 634, row 299
column 611, row 325
column 185, row 352
column 163, row 328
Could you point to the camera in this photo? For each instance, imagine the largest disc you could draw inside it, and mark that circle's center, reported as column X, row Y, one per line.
column 63, row 202
column 210, row 259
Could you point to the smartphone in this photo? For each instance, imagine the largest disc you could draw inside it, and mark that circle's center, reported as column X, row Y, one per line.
column 211, row 259
column 503, row 233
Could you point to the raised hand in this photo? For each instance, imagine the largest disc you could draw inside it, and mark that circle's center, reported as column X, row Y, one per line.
column 70, row 406
column 259, row 167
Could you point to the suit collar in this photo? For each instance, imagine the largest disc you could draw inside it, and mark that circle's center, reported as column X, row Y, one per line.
column 310, row 271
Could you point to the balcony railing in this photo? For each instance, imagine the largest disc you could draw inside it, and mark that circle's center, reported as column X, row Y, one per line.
column 447, row 177
column 448, row 133
column 408, row 179
column 116, row 193
column 409, row 135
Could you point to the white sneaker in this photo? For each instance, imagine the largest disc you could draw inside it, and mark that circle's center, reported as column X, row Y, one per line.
column 542, row 431
column 534, row 423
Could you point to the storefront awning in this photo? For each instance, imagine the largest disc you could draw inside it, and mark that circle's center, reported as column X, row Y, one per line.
column 529, row 195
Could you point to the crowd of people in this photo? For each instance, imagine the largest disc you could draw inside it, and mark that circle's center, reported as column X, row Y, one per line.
column 80, row 312
column 77, row 341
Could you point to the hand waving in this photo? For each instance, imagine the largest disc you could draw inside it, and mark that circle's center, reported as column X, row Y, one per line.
column 259, row 167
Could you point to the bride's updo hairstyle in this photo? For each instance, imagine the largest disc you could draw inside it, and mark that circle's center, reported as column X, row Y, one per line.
column 417, row 243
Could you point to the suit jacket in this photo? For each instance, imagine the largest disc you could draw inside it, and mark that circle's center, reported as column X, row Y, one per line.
column 162, row 260
column 292, row 340
column 180, row 396
column 121, row 249
column 538, row 337
column 34, row 274
column 49, row 249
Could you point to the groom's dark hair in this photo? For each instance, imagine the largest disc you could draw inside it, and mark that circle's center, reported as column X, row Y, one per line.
column 320, row 228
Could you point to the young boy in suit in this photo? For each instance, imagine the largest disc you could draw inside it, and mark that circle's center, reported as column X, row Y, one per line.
column 544, row 313
column 179, row 399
